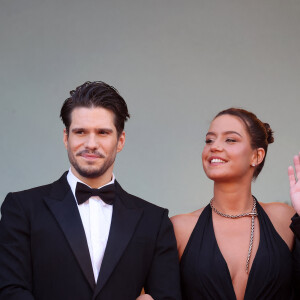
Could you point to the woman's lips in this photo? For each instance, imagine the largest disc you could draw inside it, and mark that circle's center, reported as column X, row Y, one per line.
column 217, row 160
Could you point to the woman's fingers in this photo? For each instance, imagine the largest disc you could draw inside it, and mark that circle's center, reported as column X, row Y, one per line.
column 292, row 178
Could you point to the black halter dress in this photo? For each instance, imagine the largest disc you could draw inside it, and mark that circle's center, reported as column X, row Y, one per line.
column 205, row 275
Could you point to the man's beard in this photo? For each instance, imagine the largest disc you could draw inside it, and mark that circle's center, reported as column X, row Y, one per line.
column 91, row 172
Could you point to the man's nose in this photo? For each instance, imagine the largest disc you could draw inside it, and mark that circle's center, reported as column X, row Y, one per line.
column 91, row 141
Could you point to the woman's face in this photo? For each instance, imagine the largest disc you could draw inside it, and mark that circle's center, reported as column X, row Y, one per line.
column 227, row 154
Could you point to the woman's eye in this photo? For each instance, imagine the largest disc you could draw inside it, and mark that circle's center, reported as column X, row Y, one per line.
column 208, row 141
column 230, row 140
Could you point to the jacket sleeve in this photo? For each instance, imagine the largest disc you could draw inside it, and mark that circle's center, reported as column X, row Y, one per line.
column 295, row 225
column 15, row 258
column 163, row 281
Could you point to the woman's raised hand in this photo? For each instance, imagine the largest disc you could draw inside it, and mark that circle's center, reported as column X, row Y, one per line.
column 294, row 177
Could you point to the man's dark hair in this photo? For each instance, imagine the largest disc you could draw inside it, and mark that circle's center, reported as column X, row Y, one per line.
column 96, row 94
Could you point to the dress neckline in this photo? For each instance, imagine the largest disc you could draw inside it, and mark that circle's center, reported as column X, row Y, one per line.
column 223, row 259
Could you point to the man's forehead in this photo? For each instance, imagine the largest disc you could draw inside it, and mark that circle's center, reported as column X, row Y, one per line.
column 91, row 109
column 94, row 116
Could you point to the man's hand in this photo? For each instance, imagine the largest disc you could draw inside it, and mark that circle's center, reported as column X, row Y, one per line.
column 295, row 183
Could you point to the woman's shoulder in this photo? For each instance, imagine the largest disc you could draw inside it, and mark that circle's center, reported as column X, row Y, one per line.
column 280, row 215
column 186, row 222
column 184, row 225
column 281, row 212
column 183, row 218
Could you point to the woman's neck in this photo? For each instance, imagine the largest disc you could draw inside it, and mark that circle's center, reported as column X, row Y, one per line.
column 233, row 198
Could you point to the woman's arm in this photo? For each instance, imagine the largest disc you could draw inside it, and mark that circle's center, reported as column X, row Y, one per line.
column 144, row 297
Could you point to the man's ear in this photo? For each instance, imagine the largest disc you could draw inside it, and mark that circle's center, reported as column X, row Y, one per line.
column 65, row 138
column 121, row 141
column 258, row 156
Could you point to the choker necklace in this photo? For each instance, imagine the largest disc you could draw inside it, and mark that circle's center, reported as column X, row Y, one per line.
column 251, row 214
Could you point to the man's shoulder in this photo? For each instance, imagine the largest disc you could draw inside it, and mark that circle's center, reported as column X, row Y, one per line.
column 38, row 191
column 137, row 202
column 35, row 189
column 145, row 203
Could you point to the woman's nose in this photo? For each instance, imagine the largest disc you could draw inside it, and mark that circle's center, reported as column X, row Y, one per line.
column 216, row 146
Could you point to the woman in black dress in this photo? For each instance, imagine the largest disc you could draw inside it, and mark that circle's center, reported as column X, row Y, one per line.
column 236, row 247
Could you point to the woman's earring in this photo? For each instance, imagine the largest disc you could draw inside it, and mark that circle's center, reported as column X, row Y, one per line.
column 253, row 165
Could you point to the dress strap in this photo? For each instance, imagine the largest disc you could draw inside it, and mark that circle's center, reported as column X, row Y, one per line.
column 202, row 220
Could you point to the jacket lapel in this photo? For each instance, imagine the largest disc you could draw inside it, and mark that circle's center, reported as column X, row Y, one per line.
column 123, row 223
column 63, row 206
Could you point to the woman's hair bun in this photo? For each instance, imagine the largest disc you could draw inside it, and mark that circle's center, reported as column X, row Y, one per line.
column 270, row 136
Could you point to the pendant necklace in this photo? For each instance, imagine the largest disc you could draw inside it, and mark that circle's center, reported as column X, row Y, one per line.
column 251, row 214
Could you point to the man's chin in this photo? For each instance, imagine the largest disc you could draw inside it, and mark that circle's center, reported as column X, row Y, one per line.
column 90, row 172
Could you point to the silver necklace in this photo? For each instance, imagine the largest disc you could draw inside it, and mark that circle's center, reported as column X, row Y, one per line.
column 251, row 214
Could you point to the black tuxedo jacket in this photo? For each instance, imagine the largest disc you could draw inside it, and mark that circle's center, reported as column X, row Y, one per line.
column 44, row 253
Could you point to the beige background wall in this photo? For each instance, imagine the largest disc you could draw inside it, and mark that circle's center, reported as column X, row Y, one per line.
column 177, row 63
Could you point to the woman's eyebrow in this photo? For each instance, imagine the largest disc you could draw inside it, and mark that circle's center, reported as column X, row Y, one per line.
column 225, row 132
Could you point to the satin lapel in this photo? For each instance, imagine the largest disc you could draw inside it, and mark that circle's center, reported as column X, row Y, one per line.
column 123, row 223
column 67, row 216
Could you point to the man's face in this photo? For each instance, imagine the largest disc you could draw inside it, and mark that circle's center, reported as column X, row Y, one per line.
column 92, row 143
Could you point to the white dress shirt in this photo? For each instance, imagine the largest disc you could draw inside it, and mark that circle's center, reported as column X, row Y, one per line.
column 96, row 219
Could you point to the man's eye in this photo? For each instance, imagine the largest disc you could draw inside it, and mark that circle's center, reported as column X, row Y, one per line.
column 103, row 132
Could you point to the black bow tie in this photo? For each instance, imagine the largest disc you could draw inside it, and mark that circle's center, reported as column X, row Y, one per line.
column 83, row 193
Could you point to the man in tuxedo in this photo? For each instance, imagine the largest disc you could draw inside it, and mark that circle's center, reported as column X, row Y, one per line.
column 83, row 237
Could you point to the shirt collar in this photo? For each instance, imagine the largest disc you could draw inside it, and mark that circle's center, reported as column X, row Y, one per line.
column 72, row 180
